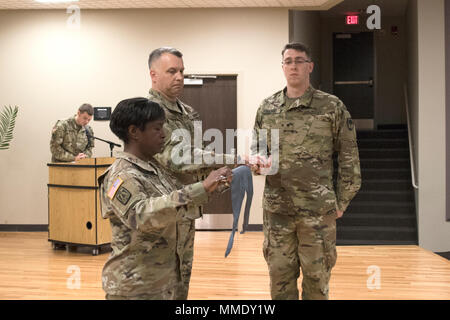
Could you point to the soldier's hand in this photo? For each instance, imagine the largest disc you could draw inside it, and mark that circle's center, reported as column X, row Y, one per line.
column 252, row 160
column 257, row 162
column 255, row 168
column 80, row 156
column 222, row 175
column 265, row 162
column 228, row 174
column 339, row 213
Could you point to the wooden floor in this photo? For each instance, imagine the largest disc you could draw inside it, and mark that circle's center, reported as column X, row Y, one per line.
column 31, row 269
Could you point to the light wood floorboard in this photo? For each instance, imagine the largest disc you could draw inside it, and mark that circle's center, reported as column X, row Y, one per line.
column 31, row 269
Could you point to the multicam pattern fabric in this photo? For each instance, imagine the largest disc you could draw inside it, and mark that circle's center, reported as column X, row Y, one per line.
column 181, row 116
column 311, row 129
column 69, row 139
column 144, row 203
column 291, row 242
column 300, row 200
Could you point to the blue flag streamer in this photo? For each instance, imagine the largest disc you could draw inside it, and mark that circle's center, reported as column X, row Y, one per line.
column 242, row 183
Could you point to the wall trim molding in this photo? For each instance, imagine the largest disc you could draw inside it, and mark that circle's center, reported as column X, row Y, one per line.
column 254, row 227
column 24, row 227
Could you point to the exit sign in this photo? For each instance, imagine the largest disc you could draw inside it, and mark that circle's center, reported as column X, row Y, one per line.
column 351, row 19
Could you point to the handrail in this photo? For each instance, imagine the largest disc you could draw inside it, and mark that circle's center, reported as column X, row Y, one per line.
column 411, row 154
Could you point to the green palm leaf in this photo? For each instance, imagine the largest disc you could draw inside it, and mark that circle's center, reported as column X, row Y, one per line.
column 7, row 123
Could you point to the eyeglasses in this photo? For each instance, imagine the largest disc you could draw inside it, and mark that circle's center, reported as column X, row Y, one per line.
column 288, row 62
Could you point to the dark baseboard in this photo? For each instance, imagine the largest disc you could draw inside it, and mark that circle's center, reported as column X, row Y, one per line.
column 445, row 255
column 24, row 227
column 250, row 227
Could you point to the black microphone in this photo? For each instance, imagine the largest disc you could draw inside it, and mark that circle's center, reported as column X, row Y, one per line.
column 110, row 142
column 89, row 137
column 88, row 133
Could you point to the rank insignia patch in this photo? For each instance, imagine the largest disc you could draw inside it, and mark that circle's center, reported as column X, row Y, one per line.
column 123, row 196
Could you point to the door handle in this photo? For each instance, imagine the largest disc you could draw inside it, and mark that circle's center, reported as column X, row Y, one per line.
column 368, row 82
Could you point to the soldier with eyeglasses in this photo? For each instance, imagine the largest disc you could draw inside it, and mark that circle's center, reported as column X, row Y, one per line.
column 300, row 203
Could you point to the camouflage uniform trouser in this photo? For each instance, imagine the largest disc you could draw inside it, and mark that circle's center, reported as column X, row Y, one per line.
column 291, row 242
column 185, row 250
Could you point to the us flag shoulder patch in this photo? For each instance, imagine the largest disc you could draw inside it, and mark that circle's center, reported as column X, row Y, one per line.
column 115, row 186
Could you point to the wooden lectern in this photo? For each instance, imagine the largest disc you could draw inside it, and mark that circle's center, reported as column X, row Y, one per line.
column 74, row 215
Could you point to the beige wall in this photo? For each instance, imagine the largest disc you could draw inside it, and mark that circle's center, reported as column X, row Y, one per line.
column 434, row 230
column 49, row 70
column 305, row 27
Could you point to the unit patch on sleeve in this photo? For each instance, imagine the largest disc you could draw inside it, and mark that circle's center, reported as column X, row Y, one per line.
column 350, row 124
column 123, row 195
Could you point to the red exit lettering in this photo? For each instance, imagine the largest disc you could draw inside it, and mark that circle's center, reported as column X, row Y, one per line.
column 352, row 20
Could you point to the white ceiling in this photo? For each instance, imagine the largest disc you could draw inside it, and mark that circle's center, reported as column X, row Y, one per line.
column 387, row 7
column 126, row 4
column 328, row 7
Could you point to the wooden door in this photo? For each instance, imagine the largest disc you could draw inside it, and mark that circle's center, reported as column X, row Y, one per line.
column 214, row 98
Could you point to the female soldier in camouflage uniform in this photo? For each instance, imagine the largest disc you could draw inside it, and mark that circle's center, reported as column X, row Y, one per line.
column 144, row 203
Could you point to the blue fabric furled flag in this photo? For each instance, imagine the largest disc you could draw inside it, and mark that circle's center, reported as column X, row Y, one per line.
column 242, row 183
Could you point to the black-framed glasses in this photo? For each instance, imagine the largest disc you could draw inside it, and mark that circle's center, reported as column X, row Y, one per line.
column 289, row 62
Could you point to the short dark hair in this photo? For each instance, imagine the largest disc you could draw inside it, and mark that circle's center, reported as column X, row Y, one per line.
column 157, row 53
column 299, row 47
column 135, row 111
column 86, row 107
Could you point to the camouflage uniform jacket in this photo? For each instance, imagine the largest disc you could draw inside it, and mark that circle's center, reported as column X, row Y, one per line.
column 310, row 130
column 181, row 116
column 69, row 139
column 143, row 203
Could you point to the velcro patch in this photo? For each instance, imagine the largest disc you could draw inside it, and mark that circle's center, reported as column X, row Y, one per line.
column 350, row 124
column 115, row 186
column 123, row 195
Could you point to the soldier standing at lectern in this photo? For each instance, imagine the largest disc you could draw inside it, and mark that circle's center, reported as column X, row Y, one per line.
column 72, row 139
